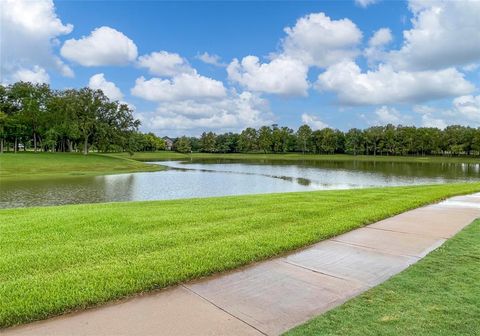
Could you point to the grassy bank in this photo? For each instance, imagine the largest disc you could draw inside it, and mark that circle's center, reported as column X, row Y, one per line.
column 439, row 295
column 169, row 155
column 57, row 259
column 29, row 165
column 153, row 156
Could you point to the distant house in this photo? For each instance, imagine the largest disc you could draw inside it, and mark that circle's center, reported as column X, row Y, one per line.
column 168, row 143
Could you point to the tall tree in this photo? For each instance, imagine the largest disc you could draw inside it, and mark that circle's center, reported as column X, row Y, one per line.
column 183, row 145
column 283, row 139
column 31, row 100
column 329, row 141
column 265, row 139
column 354, row 141
column 3, row 122
column 88, row 104
column 304, row 135
column 208, row 142
column 248, row 140
column 374, row 137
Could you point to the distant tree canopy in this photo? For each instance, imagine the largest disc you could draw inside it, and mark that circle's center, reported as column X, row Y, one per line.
column 377, row 140
column 37, row 117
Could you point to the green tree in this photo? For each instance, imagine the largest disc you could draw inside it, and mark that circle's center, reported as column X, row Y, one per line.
column 4, row 109
column 3, row 122
column 476, row 142
column 304, row 135
column 208, row 142
column 153, row 143
column 340, row 137
column 248, row 140
column 317, row 140
column 283, row 139
column 389, row 143
column 329, row 141
column 51, row 139
column 88, row 105
column 354, row 141
column 183, row 145
column 16, row 130
column 31, row 100
column 374, row 138
column 265, row 139
column 227, row 143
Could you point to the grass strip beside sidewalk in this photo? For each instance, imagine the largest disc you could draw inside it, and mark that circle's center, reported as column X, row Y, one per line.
column 57, row 259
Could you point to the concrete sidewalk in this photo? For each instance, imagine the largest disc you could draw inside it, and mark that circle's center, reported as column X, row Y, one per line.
column 273, row 296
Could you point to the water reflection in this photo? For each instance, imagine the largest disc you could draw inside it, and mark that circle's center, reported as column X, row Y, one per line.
column 304, row 181
column 220, row 178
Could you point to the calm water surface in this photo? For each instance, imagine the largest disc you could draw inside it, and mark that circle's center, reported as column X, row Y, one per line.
column 221, row 178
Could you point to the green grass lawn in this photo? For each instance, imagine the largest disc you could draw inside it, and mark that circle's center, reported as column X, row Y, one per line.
column 57, row 259
column 169, row 155
column 28, row 165
column 440, row 295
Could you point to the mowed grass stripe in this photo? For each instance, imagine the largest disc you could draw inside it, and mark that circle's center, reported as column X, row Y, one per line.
column 57, row 259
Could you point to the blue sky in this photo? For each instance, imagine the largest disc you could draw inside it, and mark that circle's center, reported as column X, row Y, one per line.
column 339, row 64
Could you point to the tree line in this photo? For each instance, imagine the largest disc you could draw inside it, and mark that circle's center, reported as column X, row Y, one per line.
column 376, row 140
column 35, row 117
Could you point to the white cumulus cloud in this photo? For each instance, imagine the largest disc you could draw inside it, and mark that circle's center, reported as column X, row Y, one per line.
column 320, row 41
column 181, row 87
column 104, row 46
column 29, row 35
column 376, row 45
column 444, row 38
column 385, row 85
column 35, row 75
column 313, row 121
column 365, row 3
column 444, row 34
column 423, row 109
column 98, row 82
column 429, row 121
column 284, row 76
column 464, row 110
column 467, row 107
column 163, row 63
column 230, row 113
column 315, row 40
column 188, row 101
column 210, row 59
column 388, row 115
column 381, row 37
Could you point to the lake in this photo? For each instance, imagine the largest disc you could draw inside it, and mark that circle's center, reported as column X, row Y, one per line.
column 206, row 178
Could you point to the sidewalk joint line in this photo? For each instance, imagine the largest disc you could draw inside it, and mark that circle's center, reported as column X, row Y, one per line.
column 371, row 249
column 222, row 309
column 320, row 272
column 410, row 233
column 376, row 250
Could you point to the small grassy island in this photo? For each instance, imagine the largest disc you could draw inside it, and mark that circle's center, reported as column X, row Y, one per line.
column 30, row 165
